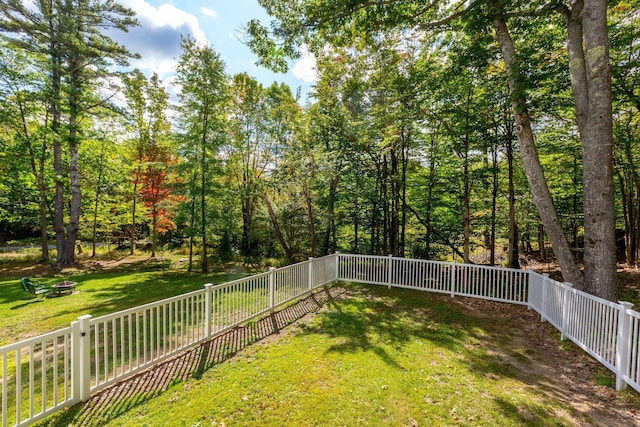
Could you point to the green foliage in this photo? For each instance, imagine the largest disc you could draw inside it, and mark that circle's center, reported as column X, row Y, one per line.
column 402, row 148
column 202, row 119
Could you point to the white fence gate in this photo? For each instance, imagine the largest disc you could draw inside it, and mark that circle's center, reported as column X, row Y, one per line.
column 44, row 374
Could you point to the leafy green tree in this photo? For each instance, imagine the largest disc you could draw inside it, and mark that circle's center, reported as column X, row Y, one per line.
column 103, row 159
column 204, row 99
column 76, row 58
column 286, row 181
column 151, row 150
column 320, row 22
column 248, row 153
column 23, row 107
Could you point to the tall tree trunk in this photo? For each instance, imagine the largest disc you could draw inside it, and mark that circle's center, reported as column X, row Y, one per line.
column 327, row 245
column 132, row 230
column 535, row 175
column 203, row 211
column 633, row 206
column 574, row 220
column 512, row 251
column 588, row 49
column 635, row 224
column 628, row 218
column 68, row 258
column 466, row 208
column 431, row 180
column 395, row 214
column 494, row 206
column 276, row 227
column 97, row 203
column 310, row 218
column 38, row 174
column 56, row 122
column 541, row 245
column 154, row 234
column 384, row 202
column 374, row 219
column 403, row 196
column 356, row 223
column 193, row 217
column 44, row 236
column 192, row 213
column 74, row 100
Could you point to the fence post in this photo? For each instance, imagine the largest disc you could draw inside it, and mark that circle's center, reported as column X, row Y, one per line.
column 337, row 255
column 622, row 345
column 452, row 278
column 566, row 290
column 310, row 275
column 390, row 258
column 271, row 288
column 80, row 358
column 207, row 309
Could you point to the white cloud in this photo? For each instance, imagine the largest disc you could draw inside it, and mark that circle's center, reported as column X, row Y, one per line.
column 208, row 12
column 157, row 39
column 166, row 15
column 305, row 68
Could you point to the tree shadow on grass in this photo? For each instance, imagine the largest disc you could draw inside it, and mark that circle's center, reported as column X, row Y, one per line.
column 527, row 414
column 380, row 319
column 115, row 401
column 490, row 341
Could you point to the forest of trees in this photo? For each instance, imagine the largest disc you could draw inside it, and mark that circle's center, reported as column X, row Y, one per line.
column 426, row 135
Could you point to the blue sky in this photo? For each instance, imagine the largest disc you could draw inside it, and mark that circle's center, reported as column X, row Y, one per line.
column 217, row 22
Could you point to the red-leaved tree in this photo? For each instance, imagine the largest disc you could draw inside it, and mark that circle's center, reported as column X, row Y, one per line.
column 156, row 184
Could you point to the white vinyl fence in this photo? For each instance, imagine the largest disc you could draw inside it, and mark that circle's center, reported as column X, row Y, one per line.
column 44, row 374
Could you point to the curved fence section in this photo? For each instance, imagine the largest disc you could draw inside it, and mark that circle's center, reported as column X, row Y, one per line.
column 44, row 374
column 608, row 331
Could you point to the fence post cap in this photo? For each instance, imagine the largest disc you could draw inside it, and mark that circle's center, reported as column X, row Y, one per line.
column 208, row 285
column 337, row 252
column 310, row 258
column 569, row 284
column 85, row 317
column 271, row 268
column 390, row 255
column 625, row 304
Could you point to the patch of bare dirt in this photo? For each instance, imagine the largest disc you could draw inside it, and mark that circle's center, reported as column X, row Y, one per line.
column 562, row 370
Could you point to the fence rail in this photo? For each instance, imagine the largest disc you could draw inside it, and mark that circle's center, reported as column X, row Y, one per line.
column 44, row 374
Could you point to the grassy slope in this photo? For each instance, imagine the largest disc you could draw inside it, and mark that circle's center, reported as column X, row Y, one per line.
column 379, row 358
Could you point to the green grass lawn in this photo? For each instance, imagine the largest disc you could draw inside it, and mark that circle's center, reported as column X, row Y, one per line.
column 23, row 316
column 377, row 357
